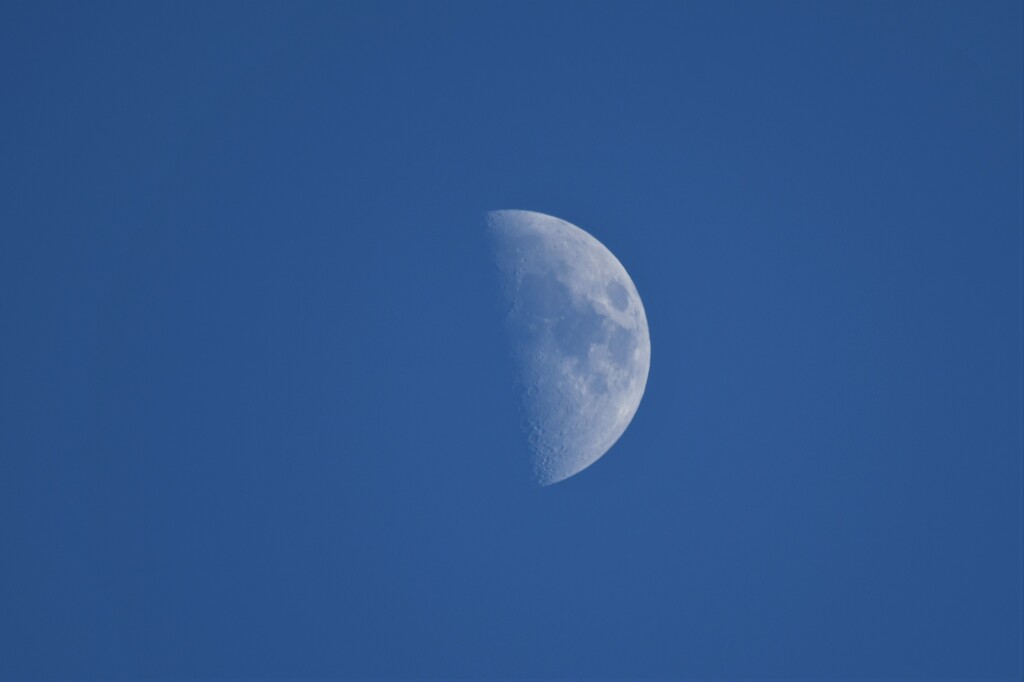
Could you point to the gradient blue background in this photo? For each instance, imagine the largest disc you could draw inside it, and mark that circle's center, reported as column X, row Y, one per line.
column 255, row 408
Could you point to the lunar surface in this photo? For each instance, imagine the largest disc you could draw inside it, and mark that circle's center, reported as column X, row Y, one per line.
column 579, row 337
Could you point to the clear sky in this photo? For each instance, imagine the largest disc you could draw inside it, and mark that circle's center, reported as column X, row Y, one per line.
column 255, row 408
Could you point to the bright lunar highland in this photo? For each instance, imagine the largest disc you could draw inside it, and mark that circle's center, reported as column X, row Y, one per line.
column 579, row 336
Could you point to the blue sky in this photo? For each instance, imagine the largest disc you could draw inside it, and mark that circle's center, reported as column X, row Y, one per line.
column 256, row 415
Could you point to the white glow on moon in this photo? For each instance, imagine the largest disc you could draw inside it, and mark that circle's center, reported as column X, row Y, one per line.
column 580, row 338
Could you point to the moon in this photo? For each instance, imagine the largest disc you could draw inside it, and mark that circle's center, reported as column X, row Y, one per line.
column 579, row 339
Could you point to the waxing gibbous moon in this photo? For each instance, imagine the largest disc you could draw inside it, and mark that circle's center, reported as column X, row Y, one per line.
column 579, row 337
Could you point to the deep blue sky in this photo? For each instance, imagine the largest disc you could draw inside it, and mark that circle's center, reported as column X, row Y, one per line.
column 255, row 408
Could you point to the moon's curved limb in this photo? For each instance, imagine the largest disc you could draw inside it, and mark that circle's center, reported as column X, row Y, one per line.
column 580, row 338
